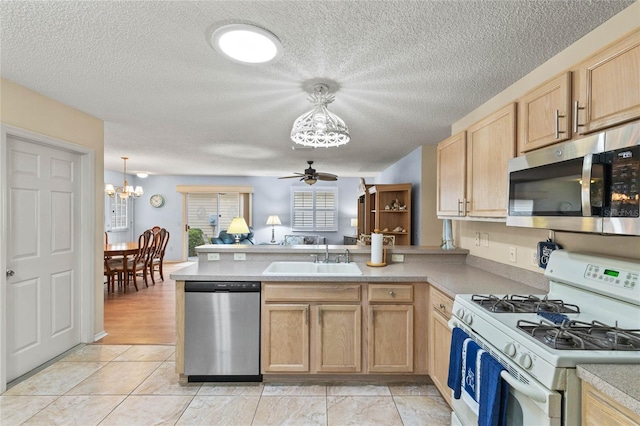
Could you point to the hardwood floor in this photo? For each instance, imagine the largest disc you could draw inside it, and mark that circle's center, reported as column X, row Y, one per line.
column 146, row 316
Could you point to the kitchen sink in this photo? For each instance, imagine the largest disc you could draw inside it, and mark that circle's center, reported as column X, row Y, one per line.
column 310, row 268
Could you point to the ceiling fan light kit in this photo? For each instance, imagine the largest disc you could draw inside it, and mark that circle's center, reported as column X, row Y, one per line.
column 320, row 127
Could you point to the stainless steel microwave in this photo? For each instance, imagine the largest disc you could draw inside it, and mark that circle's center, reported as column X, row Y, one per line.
column 587, row 185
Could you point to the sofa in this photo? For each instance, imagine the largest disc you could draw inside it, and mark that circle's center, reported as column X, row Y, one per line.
column 224, row 238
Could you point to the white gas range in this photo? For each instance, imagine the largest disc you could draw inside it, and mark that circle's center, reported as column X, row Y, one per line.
column 590, row 315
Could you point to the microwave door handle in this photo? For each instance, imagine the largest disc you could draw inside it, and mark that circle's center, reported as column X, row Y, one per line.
column 585, row 192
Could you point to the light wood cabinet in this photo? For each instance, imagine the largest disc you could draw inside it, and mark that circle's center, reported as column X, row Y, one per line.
column 390, row 343
column 490, row 144
column 544, row 114
column 285, row 338
column 338, row 339
column 390, row 330
column 396, row 221
column 608, row 86
column 337, row 328
column 599, row 409
column 452, row 172
column 342, row 328
column 440, row 341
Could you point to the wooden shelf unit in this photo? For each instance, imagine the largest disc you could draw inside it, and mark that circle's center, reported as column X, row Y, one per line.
column 380, row 217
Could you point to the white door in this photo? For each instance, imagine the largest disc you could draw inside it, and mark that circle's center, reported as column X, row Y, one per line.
column 43, row 251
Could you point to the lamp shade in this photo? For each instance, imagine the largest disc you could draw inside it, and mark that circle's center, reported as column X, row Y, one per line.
column 273, row 220
column 238, row 226
column 354, row 222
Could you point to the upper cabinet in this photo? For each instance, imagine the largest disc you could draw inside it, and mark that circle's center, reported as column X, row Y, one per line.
column 452, row 173
column 490, row 144
column 544, row 114
column 608, row 86
column 472, row 167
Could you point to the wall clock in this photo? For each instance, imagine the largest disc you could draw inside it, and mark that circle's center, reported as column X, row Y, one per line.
column 156, row 200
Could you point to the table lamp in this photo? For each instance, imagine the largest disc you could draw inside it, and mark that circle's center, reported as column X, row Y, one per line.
column 238, row 226
column 354, row 223
column 273, row 220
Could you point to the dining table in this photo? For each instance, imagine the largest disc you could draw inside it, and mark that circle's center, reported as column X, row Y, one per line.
column 123, row 250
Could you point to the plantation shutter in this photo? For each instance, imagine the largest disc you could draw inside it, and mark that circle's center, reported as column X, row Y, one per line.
column 314, row 209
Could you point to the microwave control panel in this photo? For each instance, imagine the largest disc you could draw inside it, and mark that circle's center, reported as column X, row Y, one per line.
column 625, row 189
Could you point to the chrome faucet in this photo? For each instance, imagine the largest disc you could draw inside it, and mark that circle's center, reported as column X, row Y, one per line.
column 326, row 253
column 346, row 254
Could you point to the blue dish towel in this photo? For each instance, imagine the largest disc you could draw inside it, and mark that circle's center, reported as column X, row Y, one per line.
column 454, row 380
column 471, row 370
column 494, row 392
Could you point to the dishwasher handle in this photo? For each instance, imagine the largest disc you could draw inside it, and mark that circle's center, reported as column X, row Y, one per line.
column 221, row 286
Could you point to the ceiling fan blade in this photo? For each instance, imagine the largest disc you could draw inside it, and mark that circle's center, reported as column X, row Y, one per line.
column 294, row 176
column 326, row 176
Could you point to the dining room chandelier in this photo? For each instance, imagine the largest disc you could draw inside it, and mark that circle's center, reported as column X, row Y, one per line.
column 320, row 127
column 125, row 191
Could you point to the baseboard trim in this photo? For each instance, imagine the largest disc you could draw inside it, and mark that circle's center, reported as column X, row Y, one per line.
column 100, row 335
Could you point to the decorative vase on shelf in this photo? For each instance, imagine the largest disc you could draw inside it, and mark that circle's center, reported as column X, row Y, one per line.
column 447, row 235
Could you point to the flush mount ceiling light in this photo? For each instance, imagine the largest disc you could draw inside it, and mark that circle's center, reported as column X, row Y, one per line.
column 246, row 44
column 319, row 127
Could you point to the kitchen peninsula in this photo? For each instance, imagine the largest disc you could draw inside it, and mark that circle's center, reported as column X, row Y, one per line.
column 387, row 313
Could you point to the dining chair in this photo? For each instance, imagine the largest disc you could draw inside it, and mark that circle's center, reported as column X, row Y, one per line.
column 156, row 229
column 158, row 258
column 134, row 265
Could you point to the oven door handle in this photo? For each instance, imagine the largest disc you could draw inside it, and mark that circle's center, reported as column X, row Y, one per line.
column 529, row 391
column 521, row 387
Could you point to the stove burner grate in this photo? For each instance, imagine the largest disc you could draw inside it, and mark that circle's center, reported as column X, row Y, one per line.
column 523, row 304
column 571, row 334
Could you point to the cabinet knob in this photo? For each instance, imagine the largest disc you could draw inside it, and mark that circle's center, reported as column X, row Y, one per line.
column 442, row 306
column 392, row 294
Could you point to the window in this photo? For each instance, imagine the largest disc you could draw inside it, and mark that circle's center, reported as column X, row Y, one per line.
column 314, row 209
column 119, row 216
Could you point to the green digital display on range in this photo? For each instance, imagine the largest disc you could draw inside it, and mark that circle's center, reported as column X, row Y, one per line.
column 611, row 273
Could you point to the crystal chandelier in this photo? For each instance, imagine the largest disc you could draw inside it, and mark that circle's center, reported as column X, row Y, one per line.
column 126, row 190
column 319, row 127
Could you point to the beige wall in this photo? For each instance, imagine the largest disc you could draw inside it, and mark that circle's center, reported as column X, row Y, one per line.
column 430, row 225
column 23, row 108
column 501, row 237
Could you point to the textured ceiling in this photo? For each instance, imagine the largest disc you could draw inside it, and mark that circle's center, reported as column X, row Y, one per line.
column 402, row 73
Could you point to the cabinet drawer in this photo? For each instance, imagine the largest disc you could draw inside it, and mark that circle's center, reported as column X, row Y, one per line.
column 441, row 303
column 302, row 292
column 397, row 293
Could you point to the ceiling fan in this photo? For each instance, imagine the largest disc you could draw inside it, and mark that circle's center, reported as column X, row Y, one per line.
column 310, row 176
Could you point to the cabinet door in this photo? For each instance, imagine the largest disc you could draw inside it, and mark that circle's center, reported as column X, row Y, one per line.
column 338, row 338
column 490, row 144
column 544, row 114
column 390, row 346
column 439, row 344
column 609, row 85
column 452, row 169
column 285, row 338
column 600, row 410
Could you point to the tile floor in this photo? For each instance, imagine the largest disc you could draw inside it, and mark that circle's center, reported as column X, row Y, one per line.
column 136, row 385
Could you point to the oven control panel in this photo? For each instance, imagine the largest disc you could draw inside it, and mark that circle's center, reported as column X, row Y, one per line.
column 612, row 276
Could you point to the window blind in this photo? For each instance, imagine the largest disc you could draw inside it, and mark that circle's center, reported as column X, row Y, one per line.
column 314, row 209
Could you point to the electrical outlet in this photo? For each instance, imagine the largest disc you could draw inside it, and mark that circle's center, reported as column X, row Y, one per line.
column 397, row 258
column 513, row 254
column 534, row 258
column 485, row 240
column 239, row 256
column 213, row 256
column 477, row 239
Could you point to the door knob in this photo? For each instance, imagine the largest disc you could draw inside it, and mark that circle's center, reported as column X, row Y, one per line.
column 10, row 273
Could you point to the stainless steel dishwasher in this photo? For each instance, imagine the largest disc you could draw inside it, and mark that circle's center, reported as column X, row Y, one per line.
column 222, row 331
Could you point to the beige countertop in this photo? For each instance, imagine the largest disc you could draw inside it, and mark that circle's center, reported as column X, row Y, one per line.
column 448, row 273
column 621, row 382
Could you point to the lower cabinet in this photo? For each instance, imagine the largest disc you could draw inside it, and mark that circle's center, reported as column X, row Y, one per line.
column 319, row 328
column 599, row 409
column 390, row 329
column 440, row 341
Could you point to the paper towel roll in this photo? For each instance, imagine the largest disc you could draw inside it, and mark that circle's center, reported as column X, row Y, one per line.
column 376, row 249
